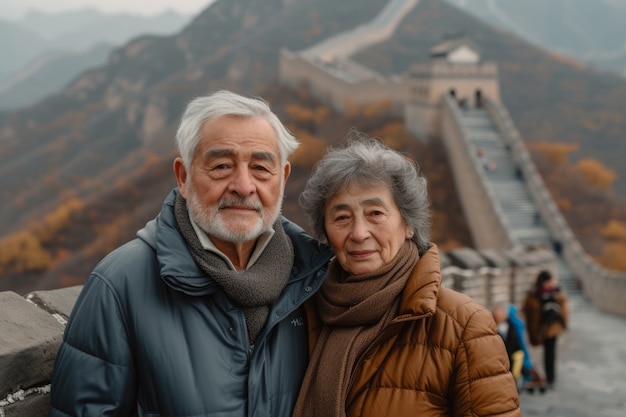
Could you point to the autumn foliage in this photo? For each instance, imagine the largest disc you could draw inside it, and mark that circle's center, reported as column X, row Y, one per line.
column 582, row 190
column 30, row 249
column 596, row 174
column 556, row 153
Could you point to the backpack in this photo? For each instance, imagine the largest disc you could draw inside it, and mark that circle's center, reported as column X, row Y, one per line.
column 550, row 310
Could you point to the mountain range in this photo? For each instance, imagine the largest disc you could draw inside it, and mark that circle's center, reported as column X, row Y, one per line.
column 590, row 31
column 42, row 52
column 45, row 51
column 82, row 170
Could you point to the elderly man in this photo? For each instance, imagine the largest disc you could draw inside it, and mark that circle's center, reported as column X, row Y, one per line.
column 201, row 314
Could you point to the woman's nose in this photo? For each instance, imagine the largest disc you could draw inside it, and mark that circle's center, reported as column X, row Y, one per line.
column 360, row 230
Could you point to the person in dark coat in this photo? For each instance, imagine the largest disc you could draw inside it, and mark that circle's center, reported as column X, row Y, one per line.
column 546, row 309
column 201, row 314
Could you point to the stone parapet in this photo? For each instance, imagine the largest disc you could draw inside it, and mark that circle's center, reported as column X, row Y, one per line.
column 436, row 69
column 31, row 327
column 29, row 339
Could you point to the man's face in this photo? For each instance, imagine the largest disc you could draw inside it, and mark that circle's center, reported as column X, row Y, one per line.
column 234, row 187
column 499, row 315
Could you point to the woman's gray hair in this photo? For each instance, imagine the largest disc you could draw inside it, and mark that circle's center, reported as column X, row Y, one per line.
column 367, row 162
column 226, row 103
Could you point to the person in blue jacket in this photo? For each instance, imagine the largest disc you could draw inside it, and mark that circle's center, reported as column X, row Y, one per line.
column 200, row 315
column 520, row 328
column 512, row 329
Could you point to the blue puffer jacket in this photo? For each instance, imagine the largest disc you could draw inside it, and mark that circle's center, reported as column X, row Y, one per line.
column 152, row 335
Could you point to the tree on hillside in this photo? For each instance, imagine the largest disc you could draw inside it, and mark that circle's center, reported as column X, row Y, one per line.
column 596, row 174
column 311, row 149
column 615, row 231
column 557, row 153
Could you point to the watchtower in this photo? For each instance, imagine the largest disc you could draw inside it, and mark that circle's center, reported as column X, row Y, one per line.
column 456, row 69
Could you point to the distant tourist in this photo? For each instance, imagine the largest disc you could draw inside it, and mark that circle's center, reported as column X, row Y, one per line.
column 547, row 312
column 511, row 337
column 201, row 314
column 488, row 164
column 512, row 329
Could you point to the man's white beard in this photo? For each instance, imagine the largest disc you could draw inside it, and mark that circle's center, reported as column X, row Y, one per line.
column 210, row 219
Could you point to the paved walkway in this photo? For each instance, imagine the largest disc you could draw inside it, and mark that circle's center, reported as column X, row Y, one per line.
column 591, row 368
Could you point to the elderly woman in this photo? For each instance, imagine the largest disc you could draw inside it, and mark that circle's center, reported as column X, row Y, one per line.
column 386, row 338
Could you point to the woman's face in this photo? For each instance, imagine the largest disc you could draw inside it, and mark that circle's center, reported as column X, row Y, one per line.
column 364, row 228
column 552, row 282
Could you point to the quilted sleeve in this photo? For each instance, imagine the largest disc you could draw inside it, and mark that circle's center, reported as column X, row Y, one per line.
column 483, row 384
column 93, row 373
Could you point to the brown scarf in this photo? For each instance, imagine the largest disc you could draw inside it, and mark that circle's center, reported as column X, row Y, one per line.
column 354, row 310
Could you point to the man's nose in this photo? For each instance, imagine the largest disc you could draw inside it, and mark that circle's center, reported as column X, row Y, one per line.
column 242, row 183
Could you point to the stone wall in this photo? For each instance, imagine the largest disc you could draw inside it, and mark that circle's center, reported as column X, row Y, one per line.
column 341, row 82
column 332, row 77
column 31, row 330
column 345, row 44
column 31, row 327
column 486, row 222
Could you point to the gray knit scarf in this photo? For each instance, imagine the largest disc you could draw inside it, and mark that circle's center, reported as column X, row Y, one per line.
column 254, row 289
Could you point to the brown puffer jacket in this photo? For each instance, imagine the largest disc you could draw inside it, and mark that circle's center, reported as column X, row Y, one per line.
column 441, row 356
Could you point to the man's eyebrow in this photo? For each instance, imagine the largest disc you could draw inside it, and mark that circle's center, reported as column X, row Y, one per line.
column 219, row 153
column 266, row 156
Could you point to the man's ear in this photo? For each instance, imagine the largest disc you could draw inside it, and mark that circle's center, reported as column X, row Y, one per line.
column 287, row 171
column 181, row 176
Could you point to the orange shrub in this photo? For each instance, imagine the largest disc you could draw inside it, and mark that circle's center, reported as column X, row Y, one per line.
column 555, row 152
column 596, row 174
column 613, row 256
column 615, row 231
column 310, row 151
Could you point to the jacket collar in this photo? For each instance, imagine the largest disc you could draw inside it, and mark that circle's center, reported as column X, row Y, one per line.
column 420, row 294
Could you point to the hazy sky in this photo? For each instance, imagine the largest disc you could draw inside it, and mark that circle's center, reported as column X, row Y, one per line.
column 12, row 9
